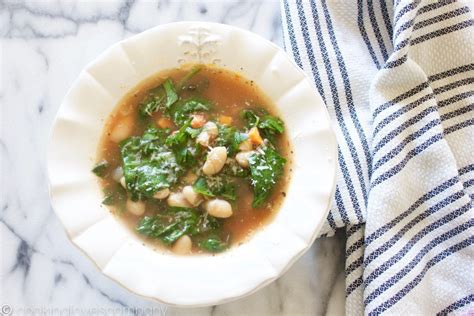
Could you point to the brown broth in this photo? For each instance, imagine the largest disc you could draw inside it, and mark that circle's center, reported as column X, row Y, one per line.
column 230, row 93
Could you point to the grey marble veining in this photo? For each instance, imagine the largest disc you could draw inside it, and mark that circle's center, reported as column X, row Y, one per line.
column 44, row 46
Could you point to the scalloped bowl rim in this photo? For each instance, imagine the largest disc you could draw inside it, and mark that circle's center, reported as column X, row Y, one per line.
column 96, row 85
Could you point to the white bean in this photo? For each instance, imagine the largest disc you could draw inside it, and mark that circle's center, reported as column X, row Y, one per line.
column 215, row 160
column 192, row 196
column 136, row 208
column 123, row 183
column 183, row 245
column 243, row 158
column 178, row 200
column 162, row 194
column 211, row 129
column 122, row 130
column 203, row 139
column 209, row 132
column 117, row 174
column 218, row 208
column 246, row 145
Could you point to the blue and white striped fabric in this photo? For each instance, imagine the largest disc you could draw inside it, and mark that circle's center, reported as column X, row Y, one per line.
column 398, row 81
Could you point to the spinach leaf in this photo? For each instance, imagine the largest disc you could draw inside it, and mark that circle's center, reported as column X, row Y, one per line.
column 159, row 98
column 237, row 139
column 250, row 117
column 182, row 109
column 269, row 125
column 179, row 137
column 187, row 153
column 168, row 226
column 115, row 195
column 188, row 77
column 101, row 168
column 208, row 224
column 152, row 104
column 193, row 132
column 266, row 167
column 218, row 185
column 148, row 165
column 200, row 186
column 213, row 243
column 232, row 168
column 171, row 95
column 225, row 135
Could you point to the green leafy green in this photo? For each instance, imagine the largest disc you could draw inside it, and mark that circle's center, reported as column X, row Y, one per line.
column 187, row 153
column 232, row 168
column 181, row 109
column 200, row 186
column 237, row 139
column 101, row 168
column 250, row 117
column 268, row 125
column 208, row 224
column 266, row 167
column 193, row 132
column 168, row 226
column 152, row 104
column 271, row 124
column 225, row 135
column 179, row 137
column 229, row 137
column 171, row 95
column 218, row 185
column 188, row 77
column 213, row 243
column 148, row 165
column 115, row 194
column 159, row 98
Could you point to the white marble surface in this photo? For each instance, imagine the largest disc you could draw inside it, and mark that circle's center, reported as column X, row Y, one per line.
column 44, row 46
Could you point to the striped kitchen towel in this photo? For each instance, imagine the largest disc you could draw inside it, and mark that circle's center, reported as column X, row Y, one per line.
column 398, row 81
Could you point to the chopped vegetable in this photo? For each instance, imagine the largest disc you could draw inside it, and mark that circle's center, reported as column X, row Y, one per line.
column 198, row 121
column 162, row 97
column 148, row 165
column 213, row 243
column 171, row 96
column 225, row 120
column 182, row 109
column 101, row 168
column 219, row 185
column 168, row 226
column 164, row 122
column 186, row 153
column 188, row 77
column 266, row 167
column 232, row 168
column 174, row 222
column 115, row 195
column 254, row 136
column 269, row 125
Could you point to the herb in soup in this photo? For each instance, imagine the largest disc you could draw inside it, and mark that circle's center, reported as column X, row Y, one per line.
column 194, row 160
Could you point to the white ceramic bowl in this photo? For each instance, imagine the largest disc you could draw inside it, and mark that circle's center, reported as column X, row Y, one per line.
column 191, row 280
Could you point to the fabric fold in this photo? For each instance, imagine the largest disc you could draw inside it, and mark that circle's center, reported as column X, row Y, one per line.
column 398, row 81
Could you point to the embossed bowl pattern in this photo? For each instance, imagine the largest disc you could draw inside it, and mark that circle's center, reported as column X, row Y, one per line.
column 118, row 253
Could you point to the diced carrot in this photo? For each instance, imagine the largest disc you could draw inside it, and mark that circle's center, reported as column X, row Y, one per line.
column 254, row 136
column 198, row 121
column 164, row 122
column 225, row 120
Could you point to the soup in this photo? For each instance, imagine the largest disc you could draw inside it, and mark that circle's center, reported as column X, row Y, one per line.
column 194, row 160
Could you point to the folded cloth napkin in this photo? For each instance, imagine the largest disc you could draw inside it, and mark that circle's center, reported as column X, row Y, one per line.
column 398, row 81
